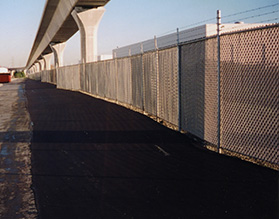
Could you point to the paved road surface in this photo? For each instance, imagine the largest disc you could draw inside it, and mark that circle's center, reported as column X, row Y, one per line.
column 16, row 195
column 93, row 159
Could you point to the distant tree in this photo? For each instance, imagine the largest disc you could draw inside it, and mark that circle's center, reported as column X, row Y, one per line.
column 19, row 74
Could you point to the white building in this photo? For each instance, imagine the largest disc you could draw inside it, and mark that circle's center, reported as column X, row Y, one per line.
column 188, row 35
column 4, row 70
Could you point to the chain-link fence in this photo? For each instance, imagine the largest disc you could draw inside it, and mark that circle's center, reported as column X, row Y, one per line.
column 199, row 89
column 49, row 76
column 68, row 77
column 167, row 86
column 178, row 84
column 250, row 93
column 150, row 82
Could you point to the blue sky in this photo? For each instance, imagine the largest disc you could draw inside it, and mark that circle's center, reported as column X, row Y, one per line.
column 124, row 22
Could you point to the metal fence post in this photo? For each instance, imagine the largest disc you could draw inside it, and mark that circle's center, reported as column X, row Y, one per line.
column 157, row 77
column 142, row 78
column 218, row 81
column 116, row 86
column 179, row 79
column 155, row 43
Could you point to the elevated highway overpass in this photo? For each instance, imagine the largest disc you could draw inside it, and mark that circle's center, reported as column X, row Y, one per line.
column 60, row 21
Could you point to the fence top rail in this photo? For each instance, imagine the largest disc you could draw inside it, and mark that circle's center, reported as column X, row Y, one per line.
column 266, row 26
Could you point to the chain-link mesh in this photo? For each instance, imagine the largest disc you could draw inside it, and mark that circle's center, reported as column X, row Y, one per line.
column 36, row 76
column 199, row 89
column 101, row 76
column 111, row 83
column 90, row 78
column 88, row 70
column 167, row 85
column 210, row 91
column 150, row 82
column 193, row 87
column 124, row 88
column 137, row 81
column 68, row 77
column 82, row 77
column 249, row 93
column 53, row 76
column 49, row 76
column 44, row 76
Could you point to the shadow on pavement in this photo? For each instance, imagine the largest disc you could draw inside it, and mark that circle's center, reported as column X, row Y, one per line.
column 93, row 159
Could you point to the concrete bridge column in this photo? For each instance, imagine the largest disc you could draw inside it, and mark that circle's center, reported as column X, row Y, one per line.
column 37, row 67
column 33, row 69
column 42, row 64
column 88, row 23
column 58, row 51
column 47, row 59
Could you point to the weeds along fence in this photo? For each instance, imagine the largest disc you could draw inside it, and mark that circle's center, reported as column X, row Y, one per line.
column 178, row 85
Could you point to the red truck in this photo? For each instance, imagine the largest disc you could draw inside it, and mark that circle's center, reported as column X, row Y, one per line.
column 5, row 77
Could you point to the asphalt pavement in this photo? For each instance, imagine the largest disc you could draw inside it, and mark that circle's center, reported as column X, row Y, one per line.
column 94, row 159
column 16, row 194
